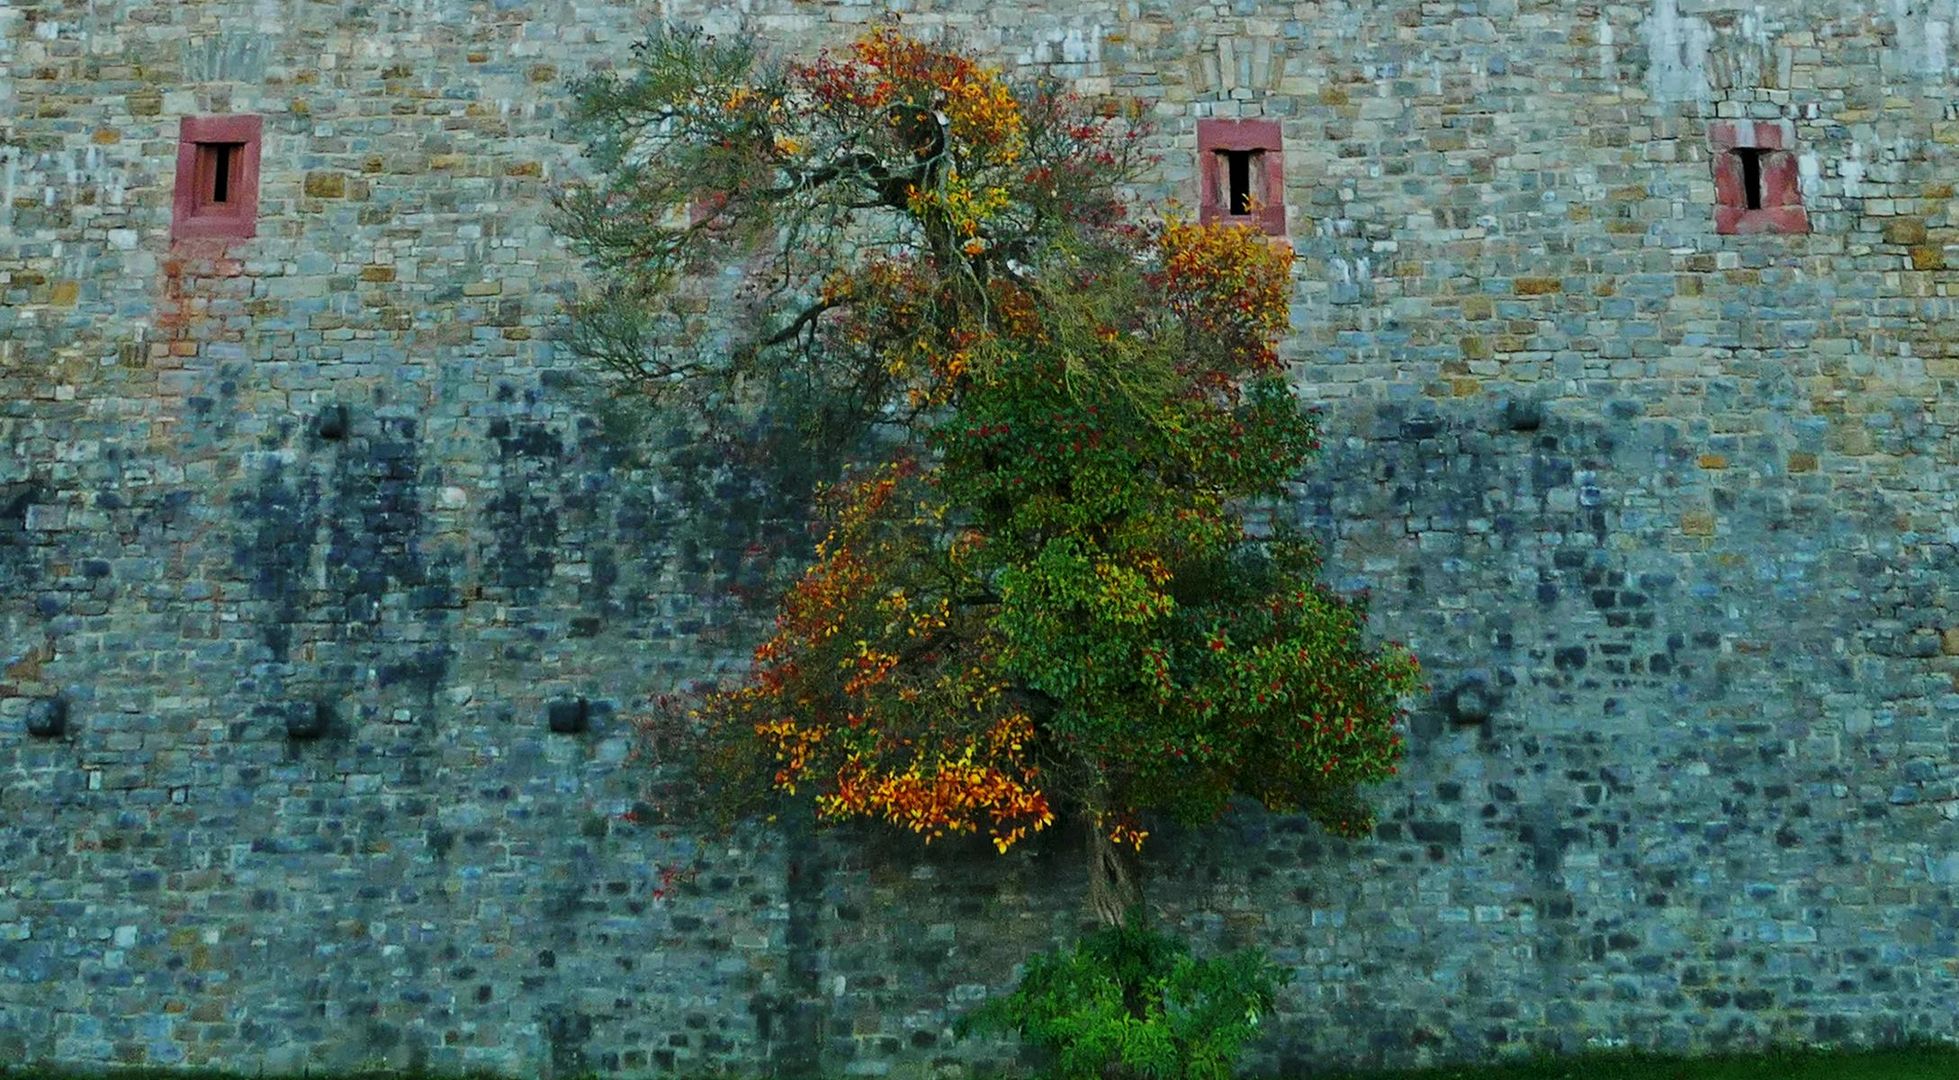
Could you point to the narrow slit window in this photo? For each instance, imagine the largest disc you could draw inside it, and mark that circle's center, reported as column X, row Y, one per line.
column 1751, row 175
column 1757, row 178
column 217, row 177
column 1241, row 173
column 1238, row 178
column 220, row 161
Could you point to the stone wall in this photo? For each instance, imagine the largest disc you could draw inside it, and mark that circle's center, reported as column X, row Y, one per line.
column 1681, row 508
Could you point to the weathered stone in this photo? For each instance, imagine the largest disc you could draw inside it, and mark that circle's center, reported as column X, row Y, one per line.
column 308, row 719
column 1523, row 414
column 47, row 718
column 325, row 185
column 332, row 422
column 1909, row 232
column 1471, row 701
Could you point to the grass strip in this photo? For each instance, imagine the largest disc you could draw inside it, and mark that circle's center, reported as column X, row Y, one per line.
column 1916, row 1062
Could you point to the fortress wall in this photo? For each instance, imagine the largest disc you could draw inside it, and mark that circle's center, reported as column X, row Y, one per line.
column 1684, row 506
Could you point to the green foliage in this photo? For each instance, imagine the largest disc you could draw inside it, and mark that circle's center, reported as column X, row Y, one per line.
column 1128, row 1003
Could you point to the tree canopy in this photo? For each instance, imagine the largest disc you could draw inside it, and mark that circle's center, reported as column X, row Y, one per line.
column 1057, row 574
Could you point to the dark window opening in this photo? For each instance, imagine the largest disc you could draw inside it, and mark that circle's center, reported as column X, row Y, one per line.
column 1751, row 175
column 221, row 172
column 217, row 173
column 1238, row 180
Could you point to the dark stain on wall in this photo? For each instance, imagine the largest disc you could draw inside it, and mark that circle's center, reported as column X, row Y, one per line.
column 279, row 520
column 524, row 512
column 20, row 563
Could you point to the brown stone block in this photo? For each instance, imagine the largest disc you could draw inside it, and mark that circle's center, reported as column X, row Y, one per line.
column 1697, row 523
column 377, row 273
column 1949, row 641
column 1904, row 230
column 1927, row 257
column 1800, row 462
column 1536, row 286
column 1713, row 461
column 65, row 293
column 325, row 185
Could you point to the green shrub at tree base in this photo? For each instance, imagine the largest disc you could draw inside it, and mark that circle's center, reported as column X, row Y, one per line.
column 1128, row 1003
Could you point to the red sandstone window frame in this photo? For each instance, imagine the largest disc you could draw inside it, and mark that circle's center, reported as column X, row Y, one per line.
column 1258, row 149
column 1757, row 181
column 217, row 178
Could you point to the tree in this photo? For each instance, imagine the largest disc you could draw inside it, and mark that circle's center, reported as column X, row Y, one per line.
column 1055, row 577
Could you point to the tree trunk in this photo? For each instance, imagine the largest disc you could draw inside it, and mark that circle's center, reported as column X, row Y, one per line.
column 1114, row 885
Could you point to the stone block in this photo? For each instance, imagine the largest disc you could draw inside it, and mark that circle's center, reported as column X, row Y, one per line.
column 1906, row 231
column 46, row 517
column 325, row 185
